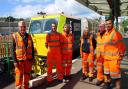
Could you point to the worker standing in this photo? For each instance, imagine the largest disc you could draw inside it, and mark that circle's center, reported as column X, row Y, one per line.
column 54, row 57
column 99, row 54
column 67, row 50
column 87, row 53
column 23, row 56
column 114, row 49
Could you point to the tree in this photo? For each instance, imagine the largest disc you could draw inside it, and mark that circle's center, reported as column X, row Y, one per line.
column 10, row 19
column 125, row 23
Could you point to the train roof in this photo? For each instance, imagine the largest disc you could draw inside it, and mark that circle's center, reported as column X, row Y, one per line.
column 40, row 16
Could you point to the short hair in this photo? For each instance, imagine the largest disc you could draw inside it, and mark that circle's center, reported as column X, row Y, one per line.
column 111, row 17
column 102, row 23
column 68, row 25
column 21, row 23
column 55, row 23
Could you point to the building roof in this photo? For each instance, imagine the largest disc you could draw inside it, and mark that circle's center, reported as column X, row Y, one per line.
column 103, row 7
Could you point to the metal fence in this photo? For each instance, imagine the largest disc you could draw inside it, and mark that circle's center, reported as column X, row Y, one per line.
column 6, row 52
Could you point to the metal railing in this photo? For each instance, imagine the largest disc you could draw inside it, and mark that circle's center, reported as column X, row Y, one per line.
column 6, row 52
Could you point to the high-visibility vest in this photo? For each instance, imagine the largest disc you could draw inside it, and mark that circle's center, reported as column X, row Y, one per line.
column 113, row 45
column 53, row 41
column 100, row 45
column 22, row 52
column 90, row 44
column 67, row 43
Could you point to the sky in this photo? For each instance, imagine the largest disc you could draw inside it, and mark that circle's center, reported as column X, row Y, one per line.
column 28, row 8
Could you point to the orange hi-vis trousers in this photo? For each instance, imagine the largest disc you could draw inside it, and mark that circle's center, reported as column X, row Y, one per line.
column 87, row 64
column 23, row 74
column 100, row 72
column 54, row 58
column 67, row 64
column 112, row 68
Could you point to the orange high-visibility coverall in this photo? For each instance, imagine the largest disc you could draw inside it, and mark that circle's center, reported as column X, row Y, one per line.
column 114, row 49
column 53, row 43
column 87, row 59
column 67, row 49
column 99, row 56
column 23, row 57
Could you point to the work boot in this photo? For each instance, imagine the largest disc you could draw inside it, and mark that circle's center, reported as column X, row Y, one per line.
column 49, row 83
column 64, row 77
column 84, row 77
column 90, row 79
column 69, row 77
column 98, row 83
column 60, row 81
column 106, row 86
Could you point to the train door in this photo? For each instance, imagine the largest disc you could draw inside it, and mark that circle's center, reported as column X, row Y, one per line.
column 75, row 25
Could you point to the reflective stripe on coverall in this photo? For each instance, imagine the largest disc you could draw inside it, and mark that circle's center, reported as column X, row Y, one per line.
column 99, row 56
column 67, row 49
column 53, row 41
column 23, row 58
column 114, row 48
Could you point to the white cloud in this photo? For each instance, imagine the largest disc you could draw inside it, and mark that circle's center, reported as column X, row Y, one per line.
column 69, row 7
column 39, row 1
column 31, row 1
column 26, row 11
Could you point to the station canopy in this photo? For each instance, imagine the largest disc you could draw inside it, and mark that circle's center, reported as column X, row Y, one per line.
column 103, row 7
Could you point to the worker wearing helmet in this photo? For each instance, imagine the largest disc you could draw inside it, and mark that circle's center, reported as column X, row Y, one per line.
column 53, row 43
column 99, row 54
column 67, row 49
column 23, row 56
column 114, row 49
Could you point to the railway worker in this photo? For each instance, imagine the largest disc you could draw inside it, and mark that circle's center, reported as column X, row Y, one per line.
column 99, row 53
column 114, row 49
column 53, row 43
column 67, row 50
column 23, row 56
column 87, row 54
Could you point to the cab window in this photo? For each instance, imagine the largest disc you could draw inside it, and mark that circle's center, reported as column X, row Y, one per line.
column 41, row 26
column 47, row 24
column 35, row 27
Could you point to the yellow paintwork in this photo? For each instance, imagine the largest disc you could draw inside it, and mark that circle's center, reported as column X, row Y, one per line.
column 39, row 39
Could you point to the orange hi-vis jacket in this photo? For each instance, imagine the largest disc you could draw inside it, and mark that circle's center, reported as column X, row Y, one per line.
column 114, row 46
column 22, row 52
column 53, row 42
column 100, row 45
column 67, row 43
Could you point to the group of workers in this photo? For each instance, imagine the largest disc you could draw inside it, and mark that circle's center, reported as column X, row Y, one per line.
column 59, row 54
column 109, row 53
column 60, row 48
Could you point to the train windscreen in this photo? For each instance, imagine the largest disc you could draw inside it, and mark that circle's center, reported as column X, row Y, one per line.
column 41, row 26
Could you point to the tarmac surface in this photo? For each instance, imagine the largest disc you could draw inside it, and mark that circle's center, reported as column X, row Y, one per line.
column 7, row 81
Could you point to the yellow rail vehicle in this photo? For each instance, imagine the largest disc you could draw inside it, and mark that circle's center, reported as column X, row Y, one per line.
column 41, row 25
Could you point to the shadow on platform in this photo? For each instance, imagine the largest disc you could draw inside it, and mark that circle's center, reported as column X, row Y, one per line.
column 6, row 80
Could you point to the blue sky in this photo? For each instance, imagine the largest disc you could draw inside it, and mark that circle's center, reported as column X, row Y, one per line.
column 28, row 8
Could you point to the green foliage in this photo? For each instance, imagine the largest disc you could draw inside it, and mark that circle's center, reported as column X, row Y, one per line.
column 125, row 23
column 10, row 19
